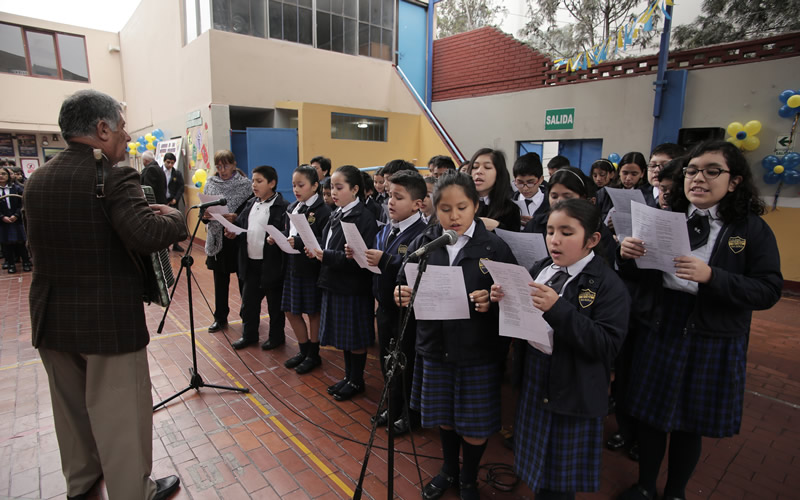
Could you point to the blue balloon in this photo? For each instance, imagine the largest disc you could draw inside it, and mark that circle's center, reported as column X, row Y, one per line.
column 158, row 133
column 791, row 177
column 791, row 160
column 786, row 111
column 141, row 140
column 769, row 162
column 142, row 147
column 741, row 135
column 772, row 178
column 614, row 158
column 785, row 95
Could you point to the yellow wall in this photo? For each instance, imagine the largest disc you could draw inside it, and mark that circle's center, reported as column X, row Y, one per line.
column 783, row 222
column 409, row 137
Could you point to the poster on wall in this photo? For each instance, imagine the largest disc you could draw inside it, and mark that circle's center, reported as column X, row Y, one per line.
column 49, row 153
column 172, row 146
column 29, row 165
column 6, row 145
column 26, row 144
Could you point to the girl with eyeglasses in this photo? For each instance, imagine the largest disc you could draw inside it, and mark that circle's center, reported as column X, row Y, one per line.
column 688, row 372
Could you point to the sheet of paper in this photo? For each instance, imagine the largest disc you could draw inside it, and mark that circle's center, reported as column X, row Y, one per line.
column 217, row 209
column 442, row 293
column 622, row 199
column 227, row 225
column 519, row 318
column 356, row 243
column 280, row 239
column 528, row 248
column 305, row 232
column 665, row 236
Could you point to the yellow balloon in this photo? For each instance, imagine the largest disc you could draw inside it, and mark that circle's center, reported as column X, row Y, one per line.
column 778, row 169
column 736, row 142
column 616, row 166
column 150, row 146
column 734, row 128
column 794, row 101
column 751, row 143
column 149, row 137
column 752, row 127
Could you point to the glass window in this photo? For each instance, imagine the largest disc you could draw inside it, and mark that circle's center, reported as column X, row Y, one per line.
column 72, row 52
column 221, row 10
column 42, row 50
column 363, row 11
column 289, row 22
column 375, row 12
column 240, row 17
column 337, row 33
column 387, row 13
column 358, row 127
column 258, row 15
column 323, row 30
column 350, row 36
column 12, row 50
column 275, row 19
column 337, row 6
column 363, row 39
column 305, row 23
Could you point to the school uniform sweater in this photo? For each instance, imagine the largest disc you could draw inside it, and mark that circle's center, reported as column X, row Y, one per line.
column 473, row 340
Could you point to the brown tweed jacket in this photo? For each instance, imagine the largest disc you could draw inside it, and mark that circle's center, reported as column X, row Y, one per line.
column 86, row 292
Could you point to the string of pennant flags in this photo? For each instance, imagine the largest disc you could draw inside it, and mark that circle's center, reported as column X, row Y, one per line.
column 617, row 41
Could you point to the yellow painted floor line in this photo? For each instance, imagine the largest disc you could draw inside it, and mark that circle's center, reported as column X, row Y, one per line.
column 289, row 435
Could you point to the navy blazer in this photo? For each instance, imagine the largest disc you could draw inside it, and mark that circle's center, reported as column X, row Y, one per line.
column 175, row 185
column 473, row 340
column 383, row 284
column 317, row 216
column 338, row 273
column 745, row 276
column 589, row 323
column 274, row 259
column 544, row 208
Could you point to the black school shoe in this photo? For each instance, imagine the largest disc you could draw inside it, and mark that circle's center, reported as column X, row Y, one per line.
column 636, row 492
column 270, row 344
column 308, row 364
column 27, row 266
column 438, row 486
column 349, row 390
column 166, row 486
column 217, row 326
column 469, row 491
column 333, row 389
column 615, row 442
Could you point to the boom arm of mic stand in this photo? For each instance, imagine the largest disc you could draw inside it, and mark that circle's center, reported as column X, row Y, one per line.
column 184, row 262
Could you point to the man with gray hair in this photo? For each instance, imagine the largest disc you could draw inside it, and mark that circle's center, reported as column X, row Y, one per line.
column 153, row 176
column 87, row 225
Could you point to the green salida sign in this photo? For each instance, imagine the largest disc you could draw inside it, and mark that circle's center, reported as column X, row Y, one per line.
column 559, row 119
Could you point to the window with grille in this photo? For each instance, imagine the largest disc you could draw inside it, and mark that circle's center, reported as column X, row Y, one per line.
column 358, row 127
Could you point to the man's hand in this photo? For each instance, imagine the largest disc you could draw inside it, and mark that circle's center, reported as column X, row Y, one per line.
column 162, row 209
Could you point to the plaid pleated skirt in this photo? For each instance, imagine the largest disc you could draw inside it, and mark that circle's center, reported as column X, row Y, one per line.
column 552, row 451
column 466, row 398
column 687, row 383
column 301, row 295
column 347, row 322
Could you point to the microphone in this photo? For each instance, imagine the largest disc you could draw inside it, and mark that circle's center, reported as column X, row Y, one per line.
column 449, row 237
column 220, row 202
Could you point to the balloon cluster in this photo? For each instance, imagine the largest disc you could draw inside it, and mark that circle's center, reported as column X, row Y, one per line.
column 791, row 103
column 781, row 169
column 744, row 136
column 146, row 142
column 199, row 178
column 614, row 159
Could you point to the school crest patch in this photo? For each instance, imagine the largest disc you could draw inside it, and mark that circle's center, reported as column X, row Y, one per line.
column 586, row 298
column 311, row 218
column 736, row 243
column 482, row 267
column 402, row 249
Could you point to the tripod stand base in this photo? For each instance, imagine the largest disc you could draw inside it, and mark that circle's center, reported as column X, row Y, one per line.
column 196, row 382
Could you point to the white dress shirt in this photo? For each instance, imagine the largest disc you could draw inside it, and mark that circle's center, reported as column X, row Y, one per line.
column 703, row 253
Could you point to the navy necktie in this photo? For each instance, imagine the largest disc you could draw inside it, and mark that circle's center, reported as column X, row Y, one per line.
column 699, row 229
column 392, row 236
column 558, row 280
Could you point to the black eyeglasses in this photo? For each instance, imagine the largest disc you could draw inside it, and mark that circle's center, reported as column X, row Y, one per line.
column 656, row 167
column 708, row 173
column 529, row 184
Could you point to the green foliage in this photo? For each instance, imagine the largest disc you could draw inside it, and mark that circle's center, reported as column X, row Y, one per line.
column 594, row 21
column 725, row 21
column 458, row 16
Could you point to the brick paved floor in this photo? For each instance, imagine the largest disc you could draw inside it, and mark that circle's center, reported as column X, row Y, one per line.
column 289, row 439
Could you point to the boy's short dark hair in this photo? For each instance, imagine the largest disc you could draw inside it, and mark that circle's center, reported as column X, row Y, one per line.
column 324, row 163
column 442, row 161
column 669, row 149
column 397, row 165
column 413, row 182
column 169, row 156
column 267, row 172
column 528, row 164
column 558, row 162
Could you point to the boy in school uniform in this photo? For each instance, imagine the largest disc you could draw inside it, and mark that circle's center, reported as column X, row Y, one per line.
column 407, row 191
column 532, row 195
column 261, row 266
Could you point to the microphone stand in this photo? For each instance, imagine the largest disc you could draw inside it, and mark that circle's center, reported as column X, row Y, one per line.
column 393, row 363
column 195, row 380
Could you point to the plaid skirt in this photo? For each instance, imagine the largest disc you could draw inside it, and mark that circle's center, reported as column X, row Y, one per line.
column 466, row 398
column 552, row 451
column 301, row 295
column 347, row 322
column 687, row 383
